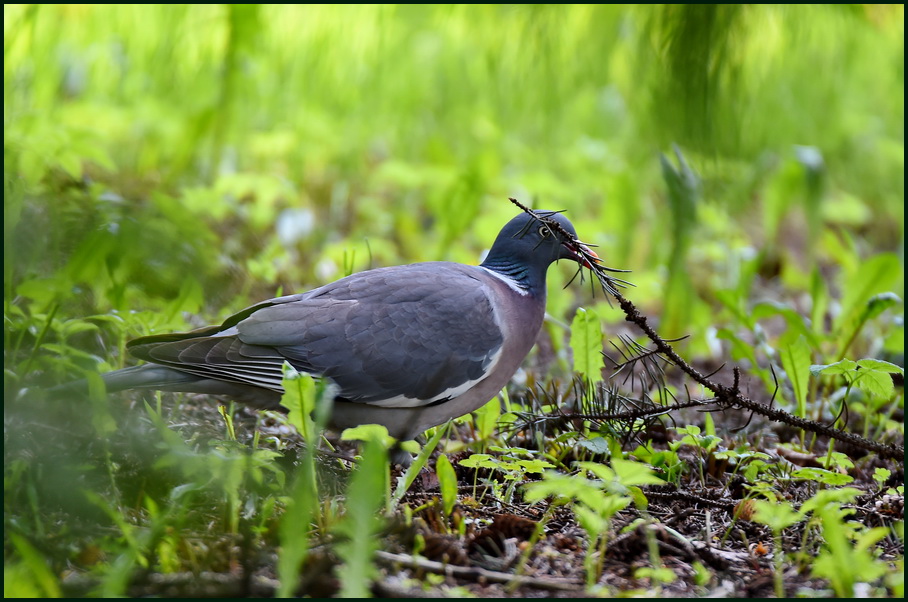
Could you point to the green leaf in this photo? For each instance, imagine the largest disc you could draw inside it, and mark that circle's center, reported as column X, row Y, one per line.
column 101, row 417
column 535, row 466
column 447, row 481
column 477, row 461
column 487, row 418
column 797, row 324
column 294, row 528
column 822, row 476
column 877, row 385
column 837, row 496
column 586, row 344
column 34, row 562
column 880, row 303
column 362, row 520
column 634, row 473
column 881, row 475
column 796, row 361
column 709, row 426
column 870, row 375
column 839, row 460
column 561, row 486
column 840, row 367
column 403, row 484
column 597, row 445
column 878, row 274
column 776, row 515
column 299, row 399
column 880, row 366
column 308, row 400
column 733, row 300
column 590, row 521
column 639, row 497
column 843, row 562
column 368, row 432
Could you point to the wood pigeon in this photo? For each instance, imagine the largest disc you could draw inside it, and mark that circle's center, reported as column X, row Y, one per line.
column 408, row 347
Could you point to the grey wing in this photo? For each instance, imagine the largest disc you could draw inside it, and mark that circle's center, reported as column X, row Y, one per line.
column 396, row 337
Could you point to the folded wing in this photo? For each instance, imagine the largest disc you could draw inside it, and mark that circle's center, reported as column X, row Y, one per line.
column 404, row 336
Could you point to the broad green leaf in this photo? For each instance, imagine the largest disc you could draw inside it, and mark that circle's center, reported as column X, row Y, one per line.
column 597, row 445
column 476, row 461
column 869, row 375
column 368, row 432
column 880, row 303
column 560, row 486
column 639, row 497
column 44, row 290
column 881, row 475
column 840, row 367
column 586, row 344
column 101, row 417
column 733, row 300
column 838, row 496
column 73, row 327
column 534, row 466
column 308, row 400
column 447, row 481
column 839, row 460
column 796, row 361
column 843, row 562
column 299, row 399
column 600, row 471
column 709, row 426
column 877, row 385
column 594, row 524
column 878, row 274
column 35, row 563
column 634, row 473
column 880, row 366
column 822, row 476
column 795, row 321
column 775, row 515
column 486, row 418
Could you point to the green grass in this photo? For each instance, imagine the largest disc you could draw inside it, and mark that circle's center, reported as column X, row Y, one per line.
column 165, row 166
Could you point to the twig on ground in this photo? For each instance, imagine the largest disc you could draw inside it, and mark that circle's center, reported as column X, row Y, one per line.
column 475, row 574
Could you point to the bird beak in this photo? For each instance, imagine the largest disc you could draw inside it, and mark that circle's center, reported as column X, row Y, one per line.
column 581, row 253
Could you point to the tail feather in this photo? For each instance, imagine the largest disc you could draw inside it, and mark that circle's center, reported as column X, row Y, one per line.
column 162, row 378
column 147, row 376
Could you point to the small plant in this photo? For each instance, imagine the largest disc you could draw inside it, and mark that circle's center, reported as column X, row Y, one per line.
column 366, row 494
column 447, row 482
column 777, row 515
column 702, row 444
column 845, row 557
column 304, row 397
column 595, row 501
column 513, row 465
column 665, row 463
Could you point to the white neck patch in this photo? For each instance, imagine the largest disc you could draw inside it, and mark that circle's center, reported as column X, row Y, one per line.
column 512, row 284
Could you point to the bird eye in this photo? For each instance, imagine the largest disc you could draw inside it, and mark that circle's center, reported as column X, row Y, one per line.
column 543, row 231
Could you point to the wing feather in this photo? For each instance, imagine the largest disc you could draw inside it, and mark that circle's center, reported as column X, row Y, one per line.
column 402, row 337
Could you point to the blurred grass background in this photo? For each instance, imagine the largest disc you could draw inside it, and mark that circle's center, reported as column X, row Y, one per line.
column 170, row 159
